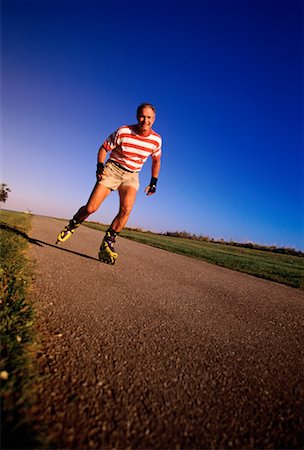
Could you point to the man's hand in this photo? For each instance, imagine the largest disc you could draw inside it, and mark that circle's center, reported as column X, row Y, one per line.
column 99, row 171
column 151, row 189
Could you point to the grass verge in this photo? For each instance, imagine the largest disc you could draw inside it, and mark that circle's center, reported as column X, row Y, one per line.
column 17, row 370
column 281, row 268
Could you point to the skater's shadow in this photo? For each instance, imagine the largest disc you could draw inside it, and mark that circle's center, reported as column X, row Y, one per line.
column 6, row 227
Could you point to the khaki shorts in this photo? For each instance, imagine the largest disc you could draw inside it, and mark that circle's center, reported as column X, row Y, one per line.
column 113, row 177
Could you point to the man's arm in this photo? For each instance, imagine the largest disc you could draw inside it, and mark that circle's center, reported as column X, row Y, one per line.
column 151, row 189
column 102, row 153
column 156, row 163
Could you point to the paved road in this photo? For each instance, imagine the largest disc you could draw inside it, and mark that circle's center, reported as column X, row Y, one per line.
column 161, row 351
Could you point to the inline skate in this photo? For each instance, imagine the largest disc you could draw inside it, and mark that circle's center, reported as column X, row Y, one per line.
column 107, row 252
column 68, row 231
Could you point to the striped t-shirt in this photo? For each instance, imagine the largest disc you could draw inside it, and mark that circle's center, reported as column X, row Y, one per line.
column 131, row 150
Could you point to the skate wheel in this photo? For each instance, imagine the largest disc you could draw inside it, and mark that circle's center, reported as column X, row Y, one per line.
column 106, row 260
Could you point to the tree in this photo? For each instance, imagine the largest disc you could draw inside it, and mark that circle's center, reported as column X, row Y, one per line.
column 4, row 190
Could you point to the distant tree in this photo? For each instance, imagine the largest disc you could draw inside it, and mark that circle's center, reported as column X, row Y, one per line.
column 4, row 190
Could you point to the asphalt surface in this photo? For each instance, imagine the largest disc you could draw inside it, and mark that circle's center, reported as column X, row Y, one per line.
column 162, row 351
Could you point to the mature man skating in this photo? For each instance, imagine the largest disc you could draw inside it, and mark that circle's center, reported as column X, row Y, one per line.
column 127, row 149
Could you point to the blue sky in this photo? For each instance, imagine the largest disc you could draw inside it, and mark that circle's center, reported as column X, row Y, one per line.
column 225, row 77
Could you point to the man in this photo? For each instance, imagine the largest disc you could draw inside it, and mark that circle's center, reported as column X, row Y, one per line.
column 129, row 147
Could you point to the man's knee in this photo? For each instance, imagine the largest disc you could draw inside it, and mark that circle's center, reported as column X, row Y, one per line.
column 91, row 208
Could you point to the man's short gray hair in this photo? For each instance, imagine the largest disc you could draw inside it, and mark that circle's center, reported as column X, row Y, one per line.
column 145, row 105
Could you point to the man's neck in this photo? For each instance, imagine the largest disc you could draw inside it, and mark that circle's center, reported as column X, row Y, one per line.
column 141, row 132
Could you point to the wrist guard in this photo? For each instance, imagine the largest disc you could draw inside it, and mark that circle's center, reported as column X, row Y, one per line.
column 100, row 167
column 152, row 186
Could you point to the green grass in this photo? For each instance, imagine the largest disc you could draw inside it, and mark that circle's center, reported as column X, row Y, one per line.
column 286, row 269
column 17, row 370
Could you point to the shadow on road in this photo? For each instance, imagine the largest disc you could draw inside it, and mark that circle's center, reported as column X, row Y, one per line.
column 6, row 227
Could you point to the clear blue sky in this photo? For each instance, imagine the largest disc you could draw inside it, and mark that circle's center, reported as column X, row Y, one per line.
column 225, row 77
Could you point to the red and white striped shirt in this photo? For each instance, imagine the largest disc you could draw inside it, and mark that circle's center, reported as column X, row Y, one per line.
column 131, row 150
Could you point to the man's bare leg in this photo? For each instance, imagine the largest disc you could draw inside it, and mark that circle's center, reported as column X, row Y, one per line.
column 98, row 195
column 127, row 196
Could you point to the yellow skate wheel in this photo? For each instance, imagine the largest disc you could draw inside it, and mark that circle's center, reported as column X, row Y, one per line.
column 106, row 258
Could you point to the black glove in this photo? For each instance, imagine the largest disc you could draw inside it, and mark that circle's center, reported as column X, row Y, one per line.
column 99, row 171
column 152, row 186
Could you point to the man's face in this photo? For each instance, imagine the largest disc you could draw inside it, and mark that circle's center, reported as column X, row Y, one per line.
column 145, row 120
